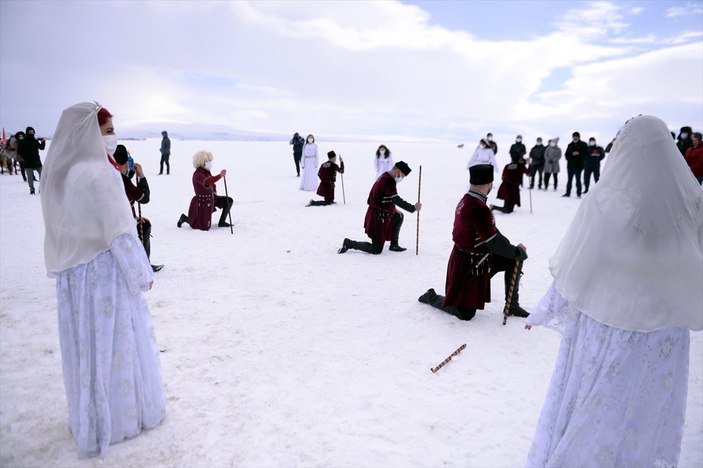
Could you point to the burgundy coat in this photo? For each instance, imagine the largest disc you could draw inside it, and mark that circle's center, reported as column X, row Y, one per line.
column 203, row 203
column 469, row 270
column 694, row 158
column 328, row 176
column 512, row 178
column 377, row 223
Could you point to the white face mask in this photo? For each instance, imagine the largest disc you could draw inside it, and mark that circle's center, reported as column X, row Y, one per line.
column 399, row 179
column 552, row 144
column 591, row 143
column 684, row 136
column 208, row 165
column 490, row 138
column 110, row 143
column 381, row 151
column 310, row 140
column 519, row 140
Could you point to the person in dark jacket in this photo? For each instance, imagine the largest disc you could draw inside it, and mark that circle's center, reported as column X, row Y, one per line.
column 480, row 251
column 328, row 176
column 28, row 149
column 206, row 199
column 494, row 145
column 165, row 153
column 592, row 163
column 518, row 150
column 575, row 154
column 683, row 141
column 136, row 193
column 537, row 164
column 509, row 189
column 383, row 221
column 297, row 141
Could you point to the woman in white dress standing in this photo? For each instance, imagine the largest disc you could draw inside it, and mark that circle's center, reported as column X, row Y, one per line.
column 626, row 292
column 109, row 354
column 309, row 163
column 384, row 160
column 483, row 155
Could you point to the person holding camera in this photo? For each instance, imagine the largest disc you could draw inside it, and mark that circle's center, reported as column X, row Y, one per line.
column 298, row 142
column 28, row 148
column 136, row 193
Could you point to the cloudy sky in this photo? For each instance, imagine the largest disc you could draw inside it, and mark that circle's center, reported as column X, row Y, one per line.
column 392, row 69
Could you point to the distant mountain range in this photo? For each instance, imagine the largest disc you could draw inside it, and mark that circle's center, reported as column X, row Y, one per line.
column 197, row 132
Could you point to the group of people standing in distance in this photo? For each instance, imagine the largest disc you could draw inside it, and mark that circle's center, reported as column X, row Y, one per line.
column 22, row 149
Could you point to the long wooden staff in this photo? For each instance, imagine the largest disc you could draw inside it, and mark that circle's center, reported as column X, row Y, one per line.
column 511, row 290
column 140, row 229
column 229, row 213
column 341, row 174
column 459, row 349
column 530, row 200
column 417, row 234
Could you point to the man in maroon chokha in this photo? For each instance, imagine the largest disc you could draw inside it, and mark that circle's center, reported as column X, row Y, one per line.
column 509, row 189
column 383, row 221
column 480, row 251
column 206, row 199
column 328, row 176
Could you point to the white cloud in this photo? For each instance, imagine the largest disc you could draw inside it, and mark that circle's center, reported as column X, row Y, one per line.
column 691, row 8
column 636, row 10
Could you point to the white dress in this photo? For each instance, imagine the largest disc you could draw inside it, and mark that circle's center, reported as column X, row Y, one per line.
column 110, row 357
column 617, row 398
column 383, row 165
column 308, row 179
column 483, row 156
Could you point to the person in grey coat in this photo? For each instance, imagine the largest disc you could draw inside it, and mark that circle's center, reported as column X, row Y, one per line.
column 165, row 153
column 552, row 155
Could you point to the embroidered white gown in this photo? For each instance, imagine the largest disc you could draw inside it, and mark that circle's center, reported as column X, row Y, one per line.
column 617, row 398
column 110, row 357
column 309, row 179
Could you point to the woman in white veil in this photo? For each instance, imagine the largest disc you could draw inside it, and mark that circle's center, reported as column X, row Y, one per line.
column 109, row 354
column 626, row 291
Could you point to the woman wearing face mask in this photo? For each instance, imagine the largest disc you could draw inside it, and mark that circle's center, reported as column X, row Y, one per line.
column 109, row 354
column 206, row 199
column 483, row 155
column 308, row 181
column 552, row 155
column 384, row 160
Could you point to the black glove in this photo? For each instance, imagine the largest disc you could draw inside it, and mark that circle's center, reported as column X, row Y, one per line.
column 521, row 254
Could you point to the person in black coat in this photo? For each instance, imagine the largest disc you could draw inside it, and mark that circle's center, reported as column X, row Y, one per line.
column 298, row 142
column 28, row 148
column 537, row 164
column 683, row 141
column 165, row 153
column 575, row 154
column 592, row 163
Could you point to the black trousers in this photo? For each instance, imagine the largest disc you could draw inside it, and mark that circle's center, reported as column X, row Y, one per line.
column 546, row 179
column 164, row 160
column 499, row 263
column 506, row 208
column 375, row 247
column 536, row 170
column 574, row 172
column 588, row 170
column 225, row 204
column 296, row 159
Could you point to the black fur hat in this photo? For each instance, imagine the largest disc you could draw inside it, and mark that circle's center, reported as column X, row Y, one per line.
column 331, row 154
column 404, row 168
column 481, row 174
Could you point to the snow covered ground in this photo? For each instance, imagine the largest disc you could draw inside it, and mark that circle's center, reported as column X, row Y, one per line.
column 278, row 352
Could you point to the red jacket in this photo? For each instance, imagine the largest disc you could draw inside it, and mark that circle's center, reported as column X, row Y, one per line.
column 694, row 158
column 203, row 203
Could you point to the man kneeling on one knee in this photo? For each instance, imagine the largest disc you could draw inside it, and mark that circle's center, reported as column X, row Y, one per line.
column 480, row 251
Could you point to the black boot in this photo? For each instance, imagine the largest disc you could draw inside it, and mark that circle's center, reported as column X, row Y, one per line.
column 346, row 244
column 181, row 220
column 397, row 223
column 514, row 308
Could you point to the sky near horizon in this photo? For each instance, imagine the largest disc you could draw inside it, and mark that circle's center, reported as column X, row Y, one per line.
column 435, row 70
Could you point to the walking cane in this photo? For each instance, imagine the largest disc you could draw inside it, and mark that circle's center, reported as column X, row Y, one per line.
column 231, row 229
column 511, row 290
column 341, row 174
column 139, row 217
column 417, row 234
column 459, row 349
column 530, row 200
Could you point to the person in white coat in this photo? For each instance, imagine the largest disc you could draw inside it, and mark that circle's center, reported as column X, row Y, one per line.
column 483, row 155
column 109, row 355
column 384, row 160
column 626, row 292
column 309, row 163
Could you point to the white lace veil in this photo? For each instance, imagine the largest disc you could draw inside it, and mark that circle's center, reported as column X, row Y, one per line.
column 83, row 202
column 632, row 256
